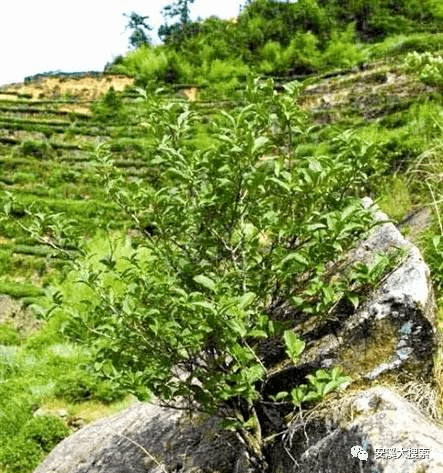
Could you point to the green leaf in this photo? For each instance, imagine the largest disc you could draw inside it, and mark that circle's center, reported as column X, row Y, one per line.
column 320, row 374
column 332, row 386
column 253, row 373
column 298, row 394
column 206, row 282
column 229, row 424
column 251, row 423
column 316, row 226
column 277, row 168
column 314, row 164
column 205, row 305
column 246, row 300
column 296, row 257
column 294, row 345
column 259, row 143
column 258, row 334
column 7, row 208
column 238, row 327
column 354, row 299
column 281, row 395
column 280, row 183
column 311, row 396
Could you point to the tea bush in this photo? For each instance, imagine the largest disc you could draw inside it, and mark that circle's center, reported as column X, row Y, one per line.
column 35, row 148
column 231, row 232
column 428, row 66
column 24, row 451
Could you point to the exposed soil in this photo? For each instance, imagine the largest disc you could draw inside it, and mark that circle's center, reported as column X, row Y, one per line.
column 22, row 319
column 84, row 88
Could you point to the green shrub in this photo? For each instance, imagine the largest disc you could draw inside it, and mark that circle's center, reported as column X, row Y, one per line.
column 272, row 52
column 433, row 255
column 18, row 290
column 9, row 335
column 45, row 431
column 24, row 177
column 38, row 250
column 233, row 232
column 146, row 63
column 228, row 73
column 80, row 386
column 437, row 9
column 414, row 62
column 8, row 361
column 20, row 455
column 432, row 74
column 5, row 259
column 400, row 44
column 425, row 120
column 15, row 411
column 180, row 68
column 341, row 50
column 302, row 54
column 109, row 107
column 35, row 148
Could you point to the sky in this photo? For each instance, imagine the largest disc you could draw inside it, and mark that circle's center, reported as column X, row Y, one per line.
column 54, row 35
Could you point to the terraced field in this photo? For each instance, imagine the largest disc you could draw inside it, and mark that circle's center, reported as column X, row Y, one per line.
column 47, row 134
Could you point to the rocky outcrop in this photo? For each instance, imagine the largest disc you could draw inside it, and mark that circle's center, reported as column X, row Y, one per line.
column 390, row 339
column 393, row 433
column 393, row 333
column 146, row 438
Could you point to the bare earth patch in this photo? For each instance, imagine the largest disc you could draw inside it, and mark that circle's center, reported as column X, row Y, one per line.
column 11, row 311
column 88, row 88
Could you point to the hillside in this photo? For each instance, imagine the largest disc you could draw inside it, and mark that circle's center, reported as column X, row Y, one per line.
column 83, row 158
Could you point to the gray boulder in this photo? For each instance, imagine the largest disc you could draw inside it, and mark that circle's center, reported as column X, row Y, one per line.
column 146, row 438
column 395, row 435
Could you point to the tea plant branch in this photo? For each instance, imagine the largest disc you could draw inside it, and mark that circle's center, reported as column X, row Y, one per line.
column 255, row 356
column 237, row 199
column 47, row 241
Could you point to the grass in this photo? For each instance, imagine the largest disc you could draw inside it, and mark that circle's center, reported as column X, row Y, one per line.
column 395, row 198
column 399, row 45
column 33, row 375
column 19, row 290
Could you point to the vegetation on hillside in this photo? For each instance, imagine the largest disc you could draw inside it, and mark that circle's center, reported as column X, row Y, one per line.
column 276, row 38
column 158, row 225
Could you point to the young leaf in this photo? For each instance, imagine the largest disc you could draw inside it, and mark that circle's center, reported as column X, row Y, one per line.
column 246, row 300
column 354, row 299
column 258, row 334
column 259, row 143
column 294, row 345
column 297, row 257
column 298, row 394
column 281, row 395
column 229, row 424
column 206, row 282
